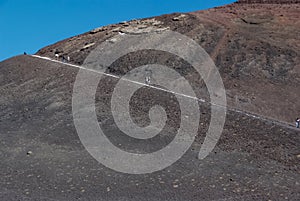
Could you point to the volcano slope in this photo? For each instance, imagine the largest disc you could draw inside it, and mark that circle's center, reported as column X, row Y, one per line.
column 255, row 48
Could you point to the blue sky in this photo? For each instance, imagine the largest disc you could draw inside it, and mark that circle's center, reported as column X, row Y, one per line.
column 28, row 25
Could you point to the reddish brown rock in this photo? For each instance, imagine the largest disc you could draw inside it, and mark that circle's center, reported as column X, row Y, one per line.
column 268, row 1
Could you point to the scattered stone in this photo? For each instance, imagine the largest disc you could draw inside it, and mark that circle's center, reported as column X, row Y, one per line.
column 29, row 153
column 152, row 22
column 112, row 40
column 179, row 18
column 142, row 29
column 88, row 45
column 58, row 51
column 116, row 29
column 100, row 29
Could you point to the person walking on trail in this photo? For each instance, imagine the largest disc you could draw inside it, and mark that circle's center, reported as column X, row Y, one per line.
column 147, row 80
column 56, row 56
column 148, row 75
column 297, row 122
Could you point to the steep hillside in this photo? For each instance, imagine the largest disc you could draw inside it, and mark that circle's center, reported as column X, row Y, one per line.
column 255, row 46
column 256, row 49
column 42, row 157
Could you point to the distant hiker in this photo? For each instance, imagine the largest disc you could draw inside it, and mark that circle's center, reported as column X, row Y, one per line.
column 25, row 53
column 147, row 80
column 63, row 59
column 297, row 122
column 148, row 75
column 56, row 56
column 68, row 59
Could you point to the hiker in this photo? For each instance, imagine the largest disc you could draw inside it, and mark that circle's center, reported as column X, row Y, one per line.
column 148, row 75
column 297, row 122
column 147, row 79
column 68, row 59
column 25, row 53
column 56, row 56
column 63, row 59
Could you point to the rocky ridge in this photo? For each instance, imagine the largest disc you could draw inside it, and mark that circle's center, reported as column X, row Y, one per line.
column 268, row 1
